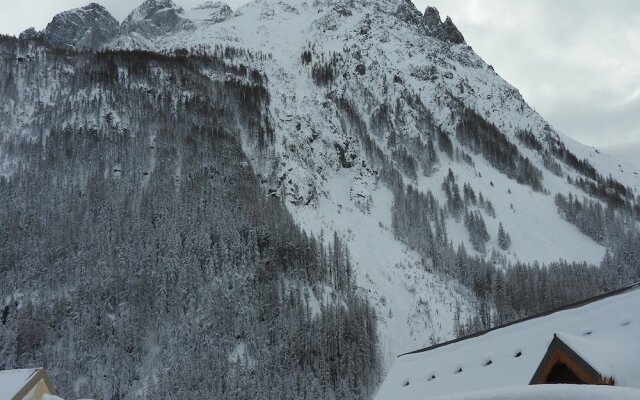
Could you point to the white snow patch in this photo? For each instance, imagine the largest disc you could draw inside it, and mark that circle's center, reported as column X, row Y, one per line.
column 414, row 307
column 11, row 381
column 548, row 392
column 239, row 354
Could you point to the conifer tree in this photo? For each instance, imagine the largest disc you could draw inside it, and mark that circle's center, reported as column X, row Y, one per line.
column 504, row 240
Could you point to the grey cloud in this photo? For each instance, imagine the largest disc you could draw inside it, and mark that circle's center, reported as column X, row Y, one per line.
column 601, row 125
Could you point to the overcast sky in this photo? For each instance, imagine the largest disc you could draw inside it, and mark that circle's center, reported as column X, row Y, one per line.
column 577, row 62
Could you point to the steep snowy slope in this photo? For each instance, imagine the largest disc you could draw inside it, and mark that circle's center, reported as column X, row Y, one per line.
column 367, row 96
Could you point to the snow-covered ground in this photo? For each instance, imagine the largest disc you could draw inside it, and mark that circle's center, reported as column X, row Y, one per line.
column 548, row 392
column 414, row 306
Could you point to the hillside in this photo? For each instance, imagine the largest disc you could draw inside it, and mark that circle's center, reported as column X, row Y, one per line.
column 361, row 87
column 458, row 205
column 141, row 258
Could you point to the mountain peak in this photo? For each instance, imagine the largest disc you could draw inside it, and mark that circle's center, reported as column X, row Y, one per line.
column 209, row 5
column 216, row 11
column 155, row 18
column 431, row 19
column 30, row 34
column 94, row 7
column 445, row 31
column 449, row 32
column 150, row 7
column 430, row 22
column 85, row 27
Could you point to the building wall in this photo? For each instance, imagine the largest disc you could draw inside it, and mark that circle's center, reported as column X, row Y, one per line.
column 39, row 390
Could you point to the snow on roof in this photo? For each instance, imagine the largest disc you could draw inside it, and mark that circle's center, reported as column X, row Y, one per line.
column 550, row 392
column 602, row 330
column 11, row 381
column 617, row 356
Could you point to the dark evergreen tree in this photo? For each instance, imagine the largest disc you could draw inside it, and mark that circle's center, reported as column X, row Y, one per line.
column 504, row 240
column 478, row 234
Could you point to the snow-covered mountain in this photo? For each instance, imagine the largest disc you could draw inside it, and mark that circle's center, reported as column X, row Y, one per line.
column 87, row 27
column 370, row 96
column 154, row 18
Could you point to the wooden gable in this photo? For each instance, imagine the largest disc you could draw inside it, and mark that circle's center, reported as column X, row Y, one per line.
column 39, row 382
column 563, row 365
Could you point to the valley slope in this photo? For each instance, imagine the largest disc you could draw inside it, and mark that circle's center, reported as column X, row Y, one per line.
column 403, row 87
column 369, row 98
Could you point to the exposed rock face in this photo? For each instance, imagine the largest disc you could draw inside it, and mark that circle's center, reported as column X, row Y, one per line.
column 30, row 34
column 445, row 31
column 155, row 18
column 218, row 11
column 449, row 32
column 88, row 27
column 408, row 12
column 431, row 19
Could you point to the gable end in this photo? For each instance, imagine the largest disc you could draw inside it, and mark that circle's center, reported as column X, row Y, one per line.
column 38, row 374
column 560, row 357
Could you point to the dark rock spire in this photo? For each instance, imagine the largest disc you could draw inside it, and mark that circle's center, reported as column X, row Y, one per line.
column 408, row 12
column 431, row 19
column 445, row 31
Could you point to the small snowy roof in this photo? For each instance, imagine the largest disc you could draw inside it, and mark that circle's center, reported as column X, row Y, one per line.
column 602, row 329
column 11, row 381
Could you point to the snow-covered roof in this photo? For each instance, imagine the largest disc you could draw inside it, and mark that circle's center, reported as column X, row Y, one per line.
column 550, row 392
column 11, row 381
column 605, row 331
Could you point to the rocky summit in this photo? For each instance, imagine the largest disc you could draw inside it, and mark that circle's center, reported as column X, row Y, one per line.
column 86, row 27
column 153, row 18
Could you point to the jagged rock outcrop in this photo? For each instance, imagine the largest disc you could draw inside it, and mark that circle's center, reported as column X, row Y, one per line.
column 408, row 12
column 87, row 27
column 445, row 31
column 155, row 18
column 431, row 20
column 30, row 34
column 217, row 11
column 449, row 32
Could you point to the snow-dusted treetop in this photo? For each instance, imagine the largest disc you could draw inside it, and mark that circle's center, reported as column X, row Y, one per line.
column 604, row 333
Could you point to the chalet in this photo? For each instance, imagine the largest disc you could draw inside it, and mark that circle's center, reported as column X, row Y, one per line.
column 592, row 342
column 25, row 384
